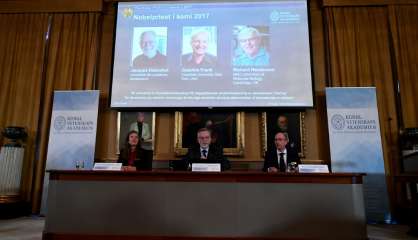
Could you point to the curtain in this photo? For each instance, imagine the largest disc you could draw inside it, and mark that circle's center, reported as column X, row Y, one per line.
column 70, row 65
column 107, row 137
column 359, row 55
column 22, row 44
column 404, row 29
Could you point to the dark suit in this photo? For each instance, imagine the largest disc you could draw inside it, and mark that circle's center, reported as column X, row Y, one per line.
column 208, row 61
column 215, row 155
column 271, row 159
column 143, row 159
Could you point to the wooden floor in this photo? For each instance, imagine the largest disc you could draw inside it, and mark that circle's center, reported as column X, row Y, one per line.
column 378, row 232
column 30, row 228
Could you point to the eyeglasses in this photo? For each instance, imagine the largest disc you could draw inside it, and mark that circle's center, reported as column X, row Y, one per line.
column 200, row 42
column 252, row 40
column 202, row 138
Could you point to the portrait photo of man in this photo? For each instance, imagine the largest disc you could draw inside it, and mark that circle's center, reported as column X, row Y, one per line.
column 286, row 122
column 250, row 49
column 199, row 47
column 143, row 123
column 221, row 125
column 150, row 46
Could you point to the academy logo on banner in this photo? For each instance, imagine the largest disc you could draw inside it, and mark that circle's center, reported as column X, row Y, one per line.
column 73, row 124
column 353, row 123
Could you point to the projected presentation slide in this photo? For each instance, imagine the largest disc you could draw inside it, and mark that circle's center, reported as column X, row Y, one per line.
column 212, row 54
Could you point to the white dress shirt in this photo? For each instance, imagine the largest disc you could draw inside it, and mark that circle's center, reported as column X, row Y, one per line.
column 284, row 156
column 201, row 153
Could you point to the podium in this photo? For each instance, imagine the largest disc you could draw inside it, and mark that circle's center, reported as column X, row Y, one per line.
column 189, row 205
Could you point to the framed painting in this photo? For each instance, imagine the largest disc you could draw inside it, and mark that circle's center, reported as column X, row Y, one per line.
column 138, row 121
column 227, row 130
column 291, row 122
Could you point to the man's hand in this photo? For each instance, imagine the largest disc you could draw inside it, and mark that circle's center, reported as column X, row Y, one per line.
column 129, row 168
column 272, row 169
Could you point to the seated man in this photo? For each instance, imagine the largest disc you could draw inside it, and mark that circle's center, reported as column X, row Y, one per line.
column 277, row 159
column 205, row 152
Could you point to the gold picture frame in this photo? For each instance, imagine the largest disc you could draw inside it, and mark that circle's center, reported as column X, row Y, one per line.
column 296, row 121
column 187, row 124
column 124, row 121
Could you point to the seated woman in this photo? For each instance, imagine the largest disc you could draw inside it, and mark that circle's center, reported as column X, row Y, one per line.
column 132, row 156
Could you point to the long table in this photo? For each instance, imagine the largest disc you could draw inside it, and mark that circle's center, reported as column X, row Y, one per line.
column 185, row 205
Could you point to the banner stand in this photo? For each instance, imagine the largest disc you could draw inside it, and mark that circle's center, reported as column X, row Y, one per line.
column 72, row 134
column 356, row 146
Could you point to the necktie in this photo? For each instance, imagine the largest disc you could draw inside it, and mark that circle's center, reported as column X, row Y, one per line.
column 140, row 130
column 282, row 165
column 204, row 151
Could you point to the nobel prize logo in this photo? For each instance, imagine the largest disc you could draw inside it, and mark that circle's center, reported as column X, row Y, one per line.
column 128, row 12
column 274, row 16
column 338, row 122
column 59, row 123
